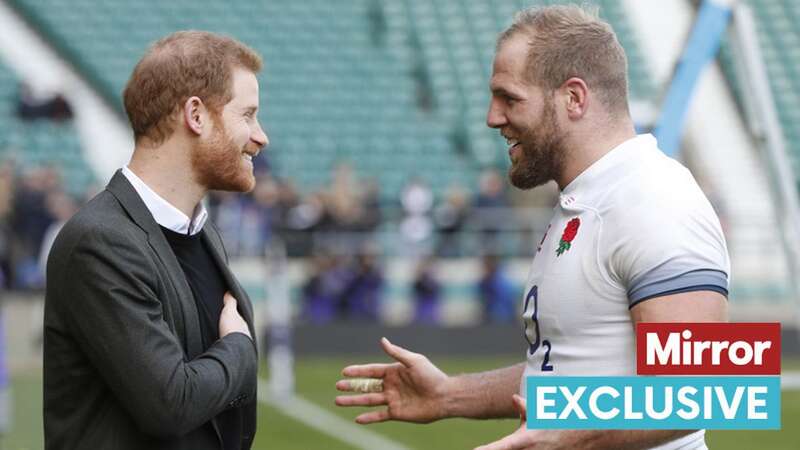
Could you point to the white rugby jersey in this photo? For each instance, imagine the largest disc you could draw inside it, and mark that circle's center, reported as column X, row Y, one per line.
column 632, row 226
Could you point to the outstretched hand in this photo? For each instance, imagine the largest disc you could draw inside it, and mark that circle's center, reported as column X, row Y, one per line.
column 413, row 388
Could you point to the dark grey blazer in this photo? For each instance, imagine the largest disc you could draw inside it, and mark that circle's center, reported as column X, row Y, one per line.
column 124, row 366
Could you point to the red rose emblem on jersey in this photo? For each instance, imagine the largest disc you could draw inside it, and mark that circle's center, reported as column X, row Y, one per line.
column 570, row 231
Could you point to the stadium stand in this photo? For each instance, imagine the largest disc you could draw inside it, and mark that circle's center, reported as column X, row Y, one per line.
column 379, row 84
column 397, row 89
column 779, row 37
column 41, row 142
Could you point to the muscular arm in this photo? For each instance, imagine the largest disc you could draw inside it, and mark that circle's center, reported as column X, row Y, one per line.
column 697, row 306
column 415, row 390
column 483, row 395
column 487, row 395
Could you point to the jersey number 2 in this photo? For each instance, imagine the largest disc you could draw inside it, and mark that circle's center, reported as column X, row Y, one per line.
column 533, row 346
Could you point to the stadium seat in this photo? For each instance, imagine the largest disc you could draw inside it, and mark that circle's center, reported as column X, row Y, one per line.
column 40, row 142
column 328, row 79
column 779, row 38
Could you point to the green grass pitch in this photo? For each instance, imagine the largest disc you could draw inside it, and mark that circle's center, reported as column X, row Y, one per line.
column 315, row 382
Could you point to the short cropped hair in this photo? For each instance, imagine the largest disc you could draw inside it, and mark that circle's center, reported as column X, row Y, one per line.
column 568, row 41
column 177, row 67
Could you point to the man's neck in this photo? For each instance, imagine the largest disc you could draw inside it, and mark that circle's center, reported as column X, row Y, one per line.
column 171, row 180
column 588, row 147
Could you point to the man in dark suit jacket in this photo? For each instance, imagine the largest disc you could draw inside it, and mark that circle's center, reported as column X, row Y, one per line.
column 148, row 336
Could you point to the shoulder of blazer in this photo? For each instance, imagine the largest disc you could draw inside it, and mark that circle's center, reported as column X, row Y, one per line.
column 101, row 227
column 100, row 217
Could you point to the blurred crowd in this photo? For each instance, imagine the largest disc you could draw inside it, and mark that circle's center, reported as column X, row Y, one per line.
column 34, row 205
column 341, row 230
column 349, row 214
column 345, row 228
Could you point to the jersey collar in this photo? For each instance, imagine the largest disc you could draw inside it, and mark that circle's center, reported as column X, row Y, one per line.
column 609, row 165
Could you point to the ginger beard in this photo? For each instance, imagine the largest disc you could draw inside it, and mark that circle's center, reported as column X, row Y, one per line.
column 542, row 151
column 219, row 164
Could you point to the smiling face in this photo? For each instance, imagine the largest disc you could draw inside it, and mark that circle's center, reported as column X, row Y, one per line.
column 223, row 159
column 526, row 116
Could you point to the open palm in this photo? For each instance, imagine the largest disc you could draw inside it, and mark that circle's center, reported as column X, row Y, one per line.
column 413, row 388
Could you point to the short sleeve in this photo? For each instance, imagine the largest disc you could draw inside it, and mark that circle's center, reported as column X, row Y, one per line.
column 666, row 239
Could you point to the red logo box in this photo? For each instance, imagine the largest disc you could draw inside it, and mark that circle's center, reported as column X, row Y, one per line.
column 708, row 348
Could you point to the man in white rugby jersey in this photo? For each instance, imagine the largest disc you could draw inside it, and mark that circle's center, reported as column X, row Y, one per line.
column 632, row 239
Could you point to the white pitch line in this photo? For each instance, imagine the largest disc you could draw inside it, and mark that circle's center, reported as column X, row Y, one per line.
column 323, row 420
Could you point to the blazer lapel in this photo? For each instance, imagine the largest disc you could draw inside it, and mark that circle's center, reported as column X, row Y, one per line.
column 243, row 301
column 189, row 321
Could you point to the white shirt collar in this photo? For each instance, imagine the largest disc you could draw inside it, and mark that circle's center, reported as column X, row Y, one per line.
column 164, row 213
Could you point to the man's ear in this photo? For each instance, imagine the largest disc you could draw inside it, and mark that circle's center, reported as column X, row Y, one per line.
column 194, row 115
column 576, row 94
